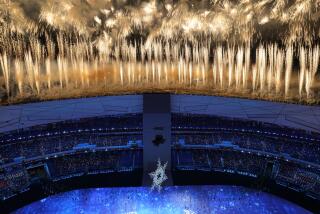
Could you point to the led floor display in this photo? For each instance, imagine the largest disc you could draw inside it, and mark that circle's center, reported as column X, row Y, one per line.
column 183, row 199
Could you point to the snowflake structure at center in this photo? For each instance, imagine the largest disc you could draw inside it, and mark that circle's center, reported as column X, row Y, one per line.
column 158, row 176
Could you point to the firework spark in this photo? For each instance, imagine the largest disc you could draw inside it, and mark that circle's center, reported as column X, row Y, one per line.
column 186, row 44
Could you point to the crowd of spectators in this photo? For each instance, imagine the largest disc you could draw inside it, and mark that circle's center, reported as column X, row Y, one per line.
column 64, row 136
column 278, row 146
column 253, row 135
column 60, row 140
column 298, row 177
column 14, row 179
column 202, row 122
column 41, row 147
column 93, row 162
column 221, row 160
column 246, row 147
column 290, row 174
column 240, row 145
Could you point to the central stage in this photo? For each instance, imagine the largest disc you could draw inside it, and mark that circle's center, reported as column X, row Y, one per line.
column 172, row 200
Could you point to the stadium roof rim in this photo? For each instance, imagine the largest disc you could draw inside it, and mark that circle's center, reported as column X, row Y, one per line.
column 291, row 115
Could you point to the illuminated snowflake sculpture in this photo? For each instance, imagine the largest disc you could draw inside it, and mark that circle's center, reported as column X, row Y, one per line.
column 158, row 176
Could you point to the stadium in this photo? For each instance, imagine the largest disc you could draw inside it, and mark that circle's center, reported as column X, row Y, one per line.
column 106, row 145
column 159, row 106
